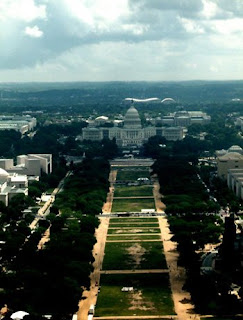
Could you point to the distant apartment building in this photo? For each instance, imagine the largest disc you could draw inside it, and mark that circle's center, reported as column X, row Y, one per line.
column 12, row 185
column 30, row 165
column 21, row 124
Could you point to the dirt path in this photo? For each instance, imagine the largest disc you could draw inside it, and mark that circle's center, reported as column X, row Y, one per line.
column 177, row 274
column 146, row 271
column 108, row 205
column 135, row 197
column 90, row 296
column 159, row 205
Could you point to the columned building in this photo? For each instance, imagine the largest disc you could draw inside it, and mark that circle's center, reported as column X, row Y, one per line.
column 132, row 133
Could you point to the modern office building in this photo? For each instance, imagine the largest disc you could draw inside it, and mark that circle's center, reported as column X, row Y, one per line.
column 30, row 165
column 11, row 185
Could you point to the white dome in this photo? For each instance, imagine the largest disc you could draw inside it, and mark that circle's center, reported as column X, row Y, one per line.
column 3, row 173
column 235, row 149
column 132, row 119
column 168, row 100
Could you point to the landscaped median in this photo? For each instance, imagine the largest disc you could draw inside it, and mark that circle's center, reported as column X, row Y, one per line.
column 132, row 205
column 136, row 255
column 133, row 191
column 151, row 295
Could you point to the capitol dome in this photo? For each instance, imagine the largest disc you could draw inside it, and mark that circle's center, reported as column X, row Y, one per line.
column 132, row 119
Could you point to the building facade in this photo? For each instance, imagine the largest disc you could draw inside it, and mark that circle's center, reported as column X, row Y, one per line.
column 22, row 124
column 230, row 160
column 30, row 165
column 11, row 185
column 132, row 133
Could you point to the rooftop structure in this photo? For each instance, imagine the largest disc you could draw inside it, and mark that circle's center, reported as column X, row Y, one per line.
column 30, row 165
column 11, row 185
column 230, row 160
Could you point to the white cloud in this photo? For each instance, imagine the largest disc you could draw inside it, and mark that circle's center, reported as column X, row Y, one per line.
column 228, row 26
column 120, row 39
column 210, row 9
column 191, row 26
column 23, row 10
column 33, row 32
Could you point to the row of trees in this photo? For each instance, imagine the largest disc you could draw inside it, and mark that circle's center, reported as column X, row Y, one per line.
column 186, row 197
column 51, row 280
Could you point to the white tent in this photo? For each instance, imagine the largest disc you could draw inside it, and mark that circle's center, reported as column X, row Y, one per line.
column 19, row 315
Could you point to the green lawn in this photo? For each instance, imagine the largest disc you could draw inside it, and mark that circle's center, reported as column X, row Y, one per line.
column 135, row 237
column 132, row 205
column 133, row 224
column 128, row 175
column 133, row 219
column 133, row 191
column 128, row 256
column 151, row 296
column 135, row 230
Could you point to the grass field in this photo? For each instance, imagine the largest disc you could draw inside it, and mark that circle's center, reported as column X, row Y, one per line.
column 133, row 224
column 151, row 296
column 132, row 205
column 135, row 231
column 135, row 237
column 134, row 191
column 140, row 255
column 128, row 219
column 131, row 175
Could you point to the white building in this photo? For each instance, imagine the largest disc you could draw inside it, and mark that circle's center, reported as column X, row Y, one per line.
column 22, row 124
column 11, row 185
column 184, row 118
column 132, row 133
column 30, row 165
column 235, row 181
column 230, row 160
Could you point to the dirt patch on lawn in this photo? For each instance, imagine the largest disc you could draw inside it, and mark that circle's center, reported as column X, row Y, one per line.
column 137, row 302
column 129, row 231
column 136, row 252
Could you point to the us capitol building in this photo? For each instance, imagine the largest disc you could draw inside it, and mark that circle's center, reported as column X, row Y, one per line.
column 131, row 134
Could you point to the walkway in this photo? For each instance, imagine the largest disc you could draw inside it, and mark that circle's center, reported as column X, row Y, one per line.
column 177, row 274
column 90, row 296
column 108, row 205
column 146, row 271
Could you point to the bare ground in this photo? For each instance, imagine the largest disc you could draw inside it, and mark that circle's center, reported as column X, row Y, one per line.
column 108, row 205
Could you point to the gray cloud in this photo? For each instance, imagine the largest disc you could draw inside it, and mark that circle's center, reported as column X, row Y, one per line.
column 178, row 31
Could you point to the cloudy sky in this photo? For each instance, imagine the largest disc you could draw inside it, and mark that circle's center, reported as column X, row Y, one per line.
column 102, row 40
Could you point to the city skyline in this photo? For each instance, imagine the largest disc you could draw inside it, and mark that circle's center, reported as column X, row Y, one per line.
column 127, row 40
